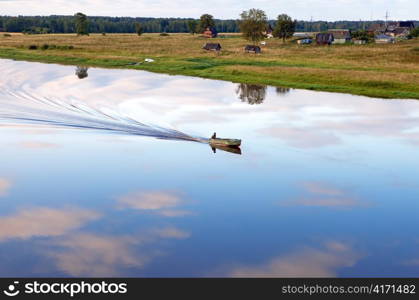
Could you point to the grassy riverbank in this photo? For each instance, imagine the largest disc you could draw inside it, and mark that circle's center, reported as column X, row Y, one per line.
column 388, row 71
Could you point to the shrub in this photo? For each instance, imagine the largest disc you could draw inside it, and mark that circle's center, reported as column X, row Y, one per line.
column 103, row 33
column 164, row 34
column 414, row 33
column 66, row 47
column 44, row 46
column 7, row 35
column 32, row 47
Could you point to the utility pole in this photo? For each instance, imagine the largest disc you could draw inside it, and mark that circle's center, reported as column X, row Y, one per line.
column 386, row 16
column 311, row 23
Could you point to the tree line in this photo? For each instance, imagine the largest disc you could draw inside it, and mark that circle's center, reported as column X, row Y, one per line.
column 67, row 24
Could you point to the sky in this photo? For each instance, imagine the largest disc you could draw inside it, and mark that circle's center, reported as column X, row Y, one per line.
column 329, row 10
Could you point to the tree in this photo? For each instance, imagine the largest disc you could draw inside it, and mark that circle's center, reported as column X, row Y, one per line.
column 253, row 25
column 285, row 27
column 205, row 21
column 362, row 35
column 81, row 24
column 138, row 28
column 414, row 33
column 192, row 26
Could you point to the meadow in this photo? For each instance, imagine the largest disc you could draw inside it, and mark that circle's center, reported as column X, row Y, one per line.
column 377, row 70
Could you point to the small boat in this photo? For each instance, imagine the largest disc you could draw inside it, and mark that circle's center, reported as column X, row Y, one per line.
column 224, row 142
column 231, row 149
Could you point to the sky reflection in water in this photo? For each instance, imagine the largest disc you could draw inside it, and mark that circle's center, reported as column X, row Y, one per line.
column 325, row 186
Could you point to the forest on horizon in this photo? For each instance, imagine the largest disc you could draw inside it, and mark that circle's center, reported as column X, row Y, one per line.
column 97, row 24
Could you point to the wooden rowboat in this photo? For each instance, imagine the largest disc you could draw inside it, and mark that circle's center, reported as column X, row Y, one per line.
column 231, row 149
column 224, row 142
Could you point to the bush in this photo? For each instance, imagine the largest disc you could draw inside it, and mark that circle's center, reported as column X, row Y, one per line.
column 65, row 47
column 414, row 33
column 164, row 34
column 44, row 46
column 103, row 33
column 32, row 47
column 7, row 35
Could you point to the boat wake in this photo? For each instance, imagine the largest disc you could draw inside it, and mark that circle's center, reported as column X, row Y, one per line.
column 22, row 107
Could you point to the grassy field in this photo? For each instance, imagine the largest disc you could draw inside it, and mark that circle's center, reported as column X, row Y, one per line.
column 388, row 71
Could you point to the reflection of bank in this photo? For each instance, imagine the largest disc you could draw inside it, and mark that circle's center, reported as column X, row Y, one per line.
column 282, row 90
column 251, row 93
column 81, row 72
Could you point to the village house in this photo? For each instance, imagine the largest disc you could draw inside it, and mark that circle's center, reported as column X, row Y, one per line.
column 304, row 41
column 340, row 36
column 303, row 34
column 384, row 39
column 397, row 30
column 210, row 32
column 324, row 38
column 359, row 42
column 269, row 32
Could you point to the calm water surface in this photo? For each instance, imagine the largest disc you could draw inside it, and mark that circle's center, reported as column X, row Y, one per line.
column 98, row 178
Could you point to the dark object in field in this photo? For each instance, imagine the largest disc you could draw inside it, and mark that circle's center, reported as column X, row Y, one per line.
column 164, row 34
column 33, row 47
column 212, row 47
column 252, row 48
column 324, row 38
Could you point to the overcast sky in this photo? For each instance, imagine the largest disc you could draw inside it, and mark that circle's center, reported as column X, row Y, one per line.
column 220, row 9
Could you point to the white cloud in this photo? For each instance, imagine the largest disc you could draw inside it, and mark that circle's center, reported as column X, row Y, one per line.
column 5, row 185
column 94, row 255
column 324, row 261
column 87, row 254
column 163, row 203
column 325, row 195
column 43, row 221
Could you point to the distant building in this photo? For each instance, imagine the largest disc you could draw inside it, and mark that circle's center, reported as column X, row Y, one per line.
column 324, row 38
column 399, row 29
column 269, row 31
column 359, row 42
column 376, row 28
column 304, row 41
column 384, row 39
column 252, row 48
column 399, row 32
column 303, row 34
column 340, row 36
column 210, row 32
column 212, row 47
